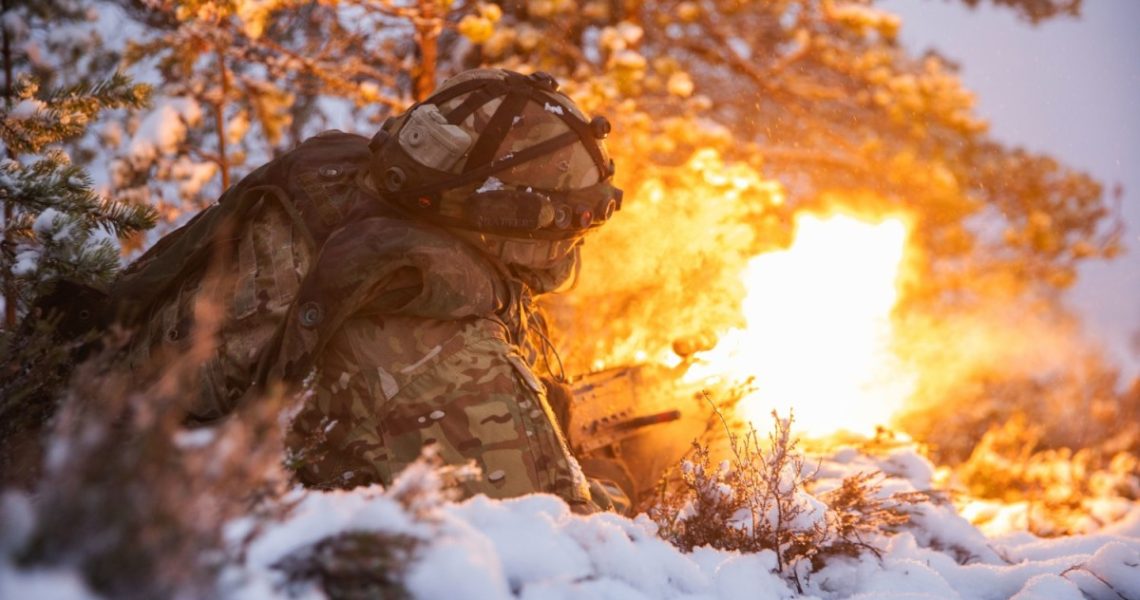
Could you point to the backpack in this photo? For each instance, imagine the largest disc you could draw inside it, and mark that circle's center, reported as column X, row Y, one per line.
column 311, row 182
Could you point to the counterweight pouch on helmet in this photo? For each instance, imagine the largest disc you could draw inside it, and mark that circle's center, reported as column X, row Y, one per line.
column 430, row 140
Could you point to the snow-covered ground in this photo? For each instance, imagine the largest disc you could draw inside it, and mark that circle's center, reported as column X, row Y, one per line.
column 534, row 547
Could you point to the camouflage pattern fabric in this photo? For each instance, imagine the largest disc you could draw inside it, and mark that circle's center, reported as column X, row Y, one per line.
column 211, row 331
column 408, row 334
column 387, row 386
column 401, row 323
column 206, row 303
column 385, row 266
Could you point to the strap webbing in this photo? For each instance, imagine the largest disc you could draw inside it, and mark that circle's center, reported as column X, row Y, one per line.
column 541, row 149
column 496, row 130
column 470, row 104
column 580, row 127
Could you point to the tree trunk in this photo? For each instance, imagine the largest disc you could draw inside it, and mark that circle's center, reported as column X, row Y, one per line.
column 220, row 121
column 10, row 294
column 427, row 38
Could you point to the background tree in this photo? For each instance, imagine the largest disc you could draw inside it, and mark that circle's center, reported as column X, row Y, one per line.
column 823, row 96
column 52, row 215
column 1035, row 11
column 240, row 82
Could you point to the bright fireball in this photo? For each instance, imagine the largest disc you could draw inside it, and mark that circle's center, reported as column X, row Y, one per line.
column 818, row 339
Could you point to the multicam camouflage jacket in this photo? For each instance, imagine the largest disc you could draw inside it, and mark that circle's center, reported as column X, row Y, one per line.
column 407, row 335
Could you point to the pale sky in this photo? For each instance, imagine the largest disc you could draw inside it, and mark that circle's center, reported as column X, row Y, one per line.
column 1069, row 88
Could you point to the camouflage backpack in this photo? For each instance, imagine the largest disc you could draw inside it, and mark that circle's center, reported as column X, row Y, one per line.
column 313, row 183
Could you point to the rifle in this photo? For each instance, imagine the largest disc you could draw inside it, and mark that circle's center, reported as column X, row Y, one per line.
column 612, row 406
column 608, row 406
column 631, row 424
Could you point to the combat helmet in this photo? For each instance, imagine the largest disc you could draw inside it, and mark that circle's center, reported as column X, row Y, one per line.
column 502, row 154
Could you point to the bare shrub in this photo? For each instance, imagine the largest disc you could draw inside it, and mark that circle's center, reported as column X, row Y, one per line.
column 857, row 512
column 759, row 499
column 372, row 564
column 352, row 565
column 1061, row 487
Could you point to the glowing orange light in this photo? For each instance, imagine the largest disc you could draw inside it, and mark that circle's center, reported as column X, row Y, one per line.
column 819, row 329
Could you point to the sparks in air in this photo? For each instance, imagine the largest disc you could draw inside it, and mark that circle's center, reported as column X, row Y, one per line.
column 818, row 335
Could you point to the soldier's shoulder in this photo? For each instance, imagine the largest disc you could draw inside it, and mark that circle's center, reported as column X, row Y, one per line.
column 328, row 146
column 326, row 157
column 336, row 134
column 332, row 143
column 333, row 153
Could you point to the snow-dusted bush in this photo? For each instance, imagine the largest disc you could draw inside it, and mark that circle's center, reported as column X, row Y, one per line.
column 760, row 498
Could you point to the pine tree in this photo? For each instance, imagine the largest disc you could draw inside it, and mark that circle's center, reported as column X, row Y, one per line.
column 55, row 224
column 244, row 81
column 59, row 235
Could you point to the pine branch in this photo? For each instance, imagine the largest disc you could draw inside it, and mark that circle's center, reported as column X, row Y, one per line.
column 52, row 211
column 118, row 91
column 123, row 219
column 49, row 117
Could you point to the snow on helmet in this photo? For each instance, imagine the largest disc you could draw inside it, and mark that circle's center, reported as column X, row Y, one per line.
column 498, row 152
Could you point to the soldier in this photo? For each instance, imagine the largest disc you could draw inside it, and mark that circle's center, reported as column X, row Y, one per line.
column 396, row 276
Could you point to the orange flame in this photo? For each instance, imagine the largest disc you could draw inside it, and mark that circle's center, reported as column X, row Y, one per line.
column 818, row 335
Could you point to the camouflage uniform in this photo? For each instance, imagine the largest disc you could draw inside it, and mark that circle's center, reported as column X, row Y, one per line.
column 408, row 313
column 432, row 355
column 414, row 337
